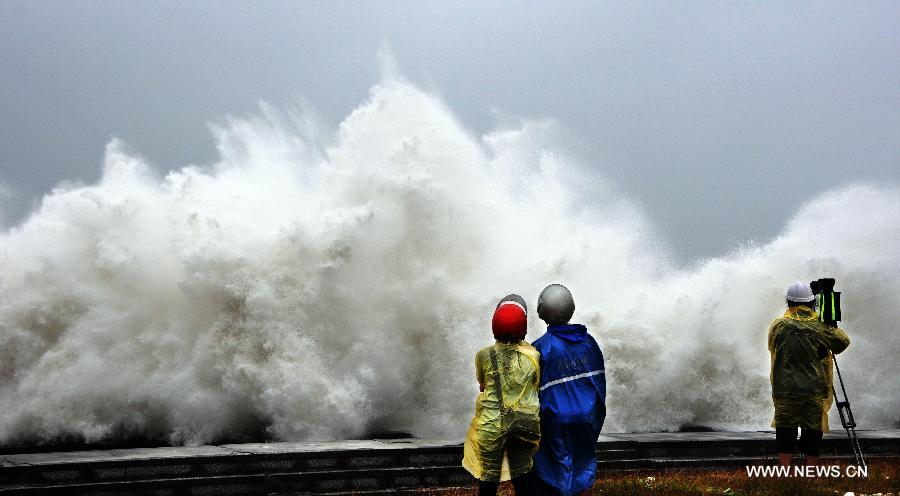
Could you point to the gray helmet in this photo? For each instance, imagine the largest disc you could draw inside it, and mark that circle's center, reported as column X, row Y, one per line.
column 516, row 298
column 555, row 304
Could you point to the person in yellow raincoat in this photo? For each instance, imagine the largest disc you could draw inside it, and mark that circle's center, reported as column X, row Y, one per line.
column 505, row 432
column 801, row 347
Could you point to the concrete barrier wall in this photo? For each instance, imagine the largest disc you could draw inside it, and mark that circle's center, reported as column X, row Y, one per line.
column 363, row 467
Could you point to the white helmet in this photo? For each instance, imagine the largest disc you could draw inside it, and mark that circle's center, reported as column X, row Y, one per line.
column 555, row 304
column 799, row 292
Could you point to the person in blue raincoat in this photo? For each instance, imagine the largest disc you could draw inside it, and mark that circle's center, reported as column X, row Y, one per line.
column 573, row 399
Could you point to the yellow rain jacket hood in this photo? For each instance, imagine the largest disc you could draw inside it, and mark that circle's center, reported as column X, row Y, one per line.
column 801, row 375
column 505, row 432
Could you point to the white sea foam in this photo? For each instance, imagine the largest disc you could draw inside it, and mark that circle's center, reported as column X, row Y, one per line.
column 309, row 288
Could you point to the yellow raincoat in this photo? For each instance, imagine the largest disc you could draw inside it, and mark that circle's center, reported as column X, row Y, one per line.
column 801, row 374
column 507, row 413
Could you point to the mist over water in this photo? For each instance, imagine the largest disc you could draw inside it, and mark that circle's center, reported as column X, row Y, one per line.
column 324, row 285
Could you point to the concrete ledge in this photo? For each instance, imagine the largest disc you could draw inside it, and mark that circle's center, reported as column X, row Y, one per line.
column 364, row 466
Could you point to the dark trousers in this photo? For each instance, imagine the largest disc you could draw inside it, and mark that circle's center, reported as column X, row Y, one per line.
column 786, row 440
column 520, row 484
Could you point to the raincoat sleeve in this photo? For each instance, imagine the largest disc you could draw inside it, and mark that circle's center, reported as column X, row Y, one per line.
column 600, row 382
column 774, row 330
column 835, row 339
column 479, row 371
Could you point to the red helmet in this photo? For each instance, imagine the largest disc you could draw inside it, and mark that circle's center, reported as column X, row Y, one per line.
column 509, row 321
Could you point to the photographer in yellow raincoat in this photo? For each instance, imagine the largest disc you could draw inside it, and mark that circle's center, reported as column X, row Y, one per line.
column 801, row 376
column 505, row 433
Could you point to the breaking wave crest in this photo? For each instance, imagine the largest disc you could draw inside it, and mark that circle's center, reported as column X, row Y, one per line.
column 309, row 288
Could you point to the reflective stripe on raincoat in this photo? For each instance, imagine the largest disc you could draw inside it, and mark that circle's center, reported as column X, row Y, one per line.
column 573, row 407
column 801, row 375
column 507, row 413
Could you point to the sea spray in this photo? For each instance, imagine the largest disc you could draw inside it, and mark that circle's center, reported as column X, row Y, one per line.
column 308, row 288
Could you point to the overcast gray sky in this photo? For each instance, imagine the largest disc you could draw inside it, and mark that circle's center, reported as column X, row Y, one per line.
column 718, row 118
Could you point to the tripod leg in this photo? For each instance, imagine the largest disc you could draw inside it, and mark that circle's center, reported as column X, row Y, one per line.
column 847, row 421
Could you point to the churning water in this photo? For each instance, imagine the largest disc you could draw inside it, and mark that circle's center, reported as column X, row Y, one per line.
column 302, row 288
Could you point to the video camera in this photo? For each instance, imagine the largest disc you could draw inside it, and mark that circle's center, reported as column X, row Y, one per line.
column 828, row 300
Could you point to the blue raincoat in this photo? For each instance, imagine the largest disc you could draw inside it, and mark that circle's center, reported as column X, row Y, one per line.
column 573, row 407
